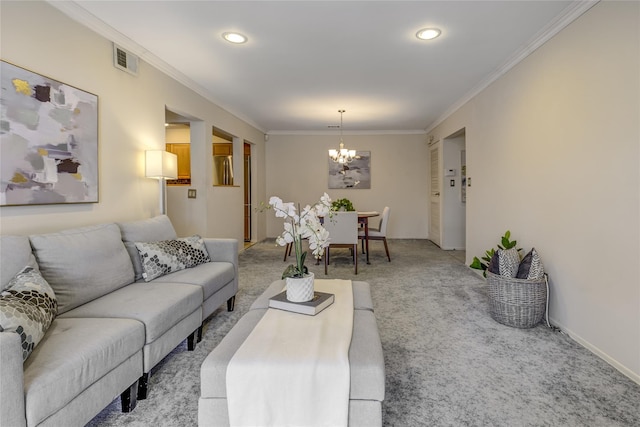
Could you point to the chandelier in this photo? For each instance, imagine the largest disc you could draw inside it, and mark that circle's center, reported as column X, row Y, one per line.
column 342, row 155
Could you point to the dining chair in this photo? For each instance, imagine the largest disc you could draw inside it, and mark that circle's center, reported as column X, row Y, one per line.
column 379, row 233
column 287, row 250
column 343, row 233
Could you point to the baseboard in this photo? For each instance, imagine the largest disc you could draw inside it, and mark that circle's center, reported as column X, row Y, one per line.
column 601, row 354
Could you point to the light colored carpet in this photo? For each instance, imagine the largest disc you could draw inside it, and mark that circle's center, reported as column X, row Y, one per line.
column 448, row 363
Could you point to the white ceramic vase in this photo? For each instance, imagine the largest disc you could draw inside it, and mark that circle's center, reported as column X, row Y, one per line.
column 300, row 289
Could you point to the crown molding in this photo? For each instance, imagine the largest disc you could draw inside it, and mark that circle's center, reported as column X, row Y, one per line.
column 349, row 132
column 82, row 16
column 572, row 12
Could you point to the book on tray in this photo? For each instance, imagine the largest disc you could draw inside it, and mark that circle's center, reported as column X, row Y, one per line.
column 320, row 301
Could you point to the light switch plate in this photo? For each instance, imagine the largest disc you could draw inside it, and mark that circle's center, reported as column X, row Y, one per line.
column 191, row 193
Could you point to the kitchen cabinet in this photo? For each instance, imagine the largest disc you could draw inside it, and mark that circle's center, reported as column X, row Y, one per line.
column 183, row 151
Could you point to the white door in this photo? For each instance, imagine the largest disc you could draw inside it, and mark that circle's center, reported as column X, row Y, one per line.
column 434, row 202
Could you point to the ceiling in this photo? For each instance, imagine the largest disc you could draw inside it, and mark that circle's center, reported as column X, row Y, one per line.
column 305, row 60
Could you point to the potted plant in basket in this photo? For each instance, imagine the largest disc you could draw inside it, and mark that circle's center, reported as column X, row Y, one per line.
column 483, row 264
column 297, row 227
column 517, row 287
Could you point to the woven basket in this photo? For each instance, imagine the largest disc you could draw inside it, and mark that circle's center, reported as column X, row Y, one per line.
column 520, row 303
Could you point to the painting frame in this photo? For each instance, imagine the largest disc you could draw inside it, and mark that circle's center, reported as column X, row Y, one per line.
column 48, row 140
column 355, row 175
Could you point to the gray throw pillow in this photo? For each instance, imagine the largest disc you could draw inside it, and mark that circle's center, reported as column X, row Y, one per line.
column 168, row 256
column 494, row 264
column 531, row 266
column 508, row 262
column 27, row 307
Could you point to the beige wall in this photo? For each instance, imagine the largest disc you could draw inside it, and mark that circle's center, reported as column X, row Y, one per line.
column 38, row 37
column 553, row 154
column 298, row 172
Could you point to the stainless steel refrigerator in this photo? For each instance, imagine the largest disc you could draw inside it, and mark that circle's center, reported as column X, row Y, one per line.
column 222, row 170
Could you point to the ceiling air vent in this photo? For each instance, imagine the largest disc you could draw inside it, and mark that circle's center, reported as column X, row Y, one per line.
column 125, row 60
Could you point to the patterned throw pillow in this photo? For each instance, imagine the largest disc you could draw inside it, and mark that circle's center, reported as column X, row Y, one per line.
column 508, row 262
column 168, row 256
column 27, row 306
column 531, row 266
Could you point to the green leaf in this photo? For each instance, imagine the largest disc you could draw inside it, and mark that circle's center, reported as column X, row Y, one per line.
column 290, row 271
column 476, row 263
column 488, row 255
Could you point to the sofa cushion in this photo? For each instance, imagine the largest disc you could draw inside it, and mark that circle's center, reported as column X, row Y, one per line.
column 146, row 230
column 158, row 307
column 167, row 256
column 211, row 276
column 83, row 264
column 16, row 253
column 27, row 307
column 74, row 354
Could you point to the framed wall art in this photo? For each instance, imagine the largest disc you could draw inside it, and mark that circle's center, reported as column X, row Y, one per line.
column 356, row 175
column 48, row 140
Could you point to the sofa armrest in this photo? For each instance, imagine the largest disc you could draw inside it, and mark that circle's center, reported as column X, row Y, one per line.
column 11, row 381
column 222, row 250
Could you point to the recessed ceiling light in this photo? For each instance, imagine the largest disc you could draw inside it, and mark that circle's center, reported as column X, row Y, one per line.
column 234, row 37
column 428, row 33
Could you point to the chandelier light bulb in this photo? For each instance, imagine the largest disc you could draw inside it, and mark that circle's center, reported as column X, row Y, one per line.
column 342, row 155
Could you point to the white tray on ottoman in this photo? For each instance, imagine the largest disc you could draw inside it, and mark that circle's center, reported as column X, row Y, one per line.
column 365, row 359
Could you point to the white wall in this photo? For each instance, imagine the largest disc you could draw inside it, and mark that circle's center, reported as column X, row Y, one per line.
column 553, row 154
column 36, row 36
column 298, row 172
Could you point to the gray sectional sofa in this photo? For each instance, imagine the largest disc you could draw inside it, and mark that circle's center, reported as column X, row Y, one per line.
column 113, row 324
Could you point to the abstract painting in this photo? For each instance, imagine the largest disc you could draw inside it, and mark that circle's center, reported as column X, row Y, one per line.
column 48, row 140
column 356, row 175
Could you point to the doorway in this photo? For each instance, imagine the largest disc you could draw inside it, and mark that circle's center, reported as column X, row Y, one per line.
column 434, row 195
column 453, row 192
column 247, row 192
column 447, row 198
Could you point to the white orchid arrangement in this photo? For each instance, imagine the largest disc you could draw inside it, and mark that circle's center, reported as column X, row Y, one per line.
column 298, row 227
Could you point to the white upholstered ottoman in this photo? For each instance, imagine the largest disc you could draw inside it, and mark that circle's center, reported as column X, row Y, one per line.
column 365, row 360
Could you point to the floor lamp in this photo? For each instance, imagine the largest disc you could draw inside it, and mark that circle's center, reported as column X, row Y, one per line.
column 161, row 165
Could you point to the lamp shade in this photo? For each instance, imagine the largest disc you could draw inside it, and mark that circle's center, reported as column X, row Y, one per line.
column 161, row 164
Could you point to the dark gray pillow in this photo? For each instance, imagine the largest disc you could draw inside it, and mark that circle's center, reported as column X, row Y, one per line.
column 494, row 266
